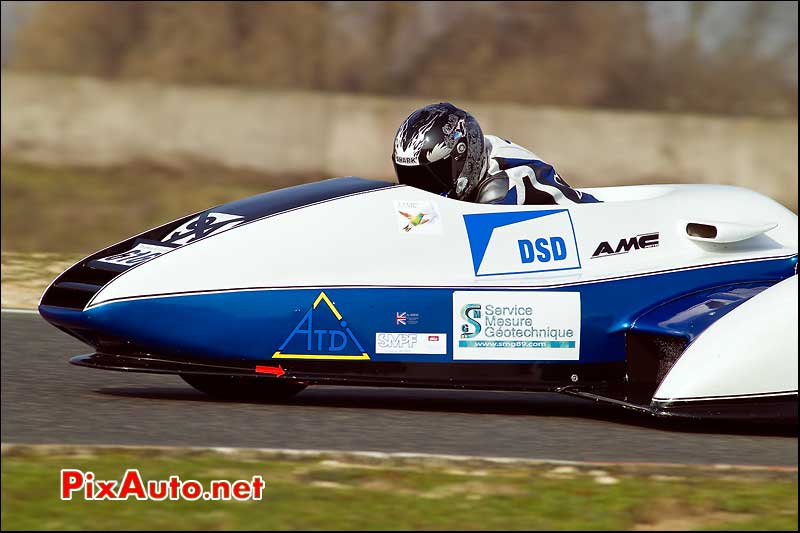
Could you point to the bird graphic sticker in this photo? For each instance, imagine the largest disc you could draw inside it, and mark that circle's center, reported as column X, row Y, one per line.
column 415, row 220
column 417, row 217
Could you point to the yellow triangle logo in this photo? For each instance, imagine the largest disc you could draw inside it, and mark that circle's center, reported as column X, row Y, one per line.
column 321, row 343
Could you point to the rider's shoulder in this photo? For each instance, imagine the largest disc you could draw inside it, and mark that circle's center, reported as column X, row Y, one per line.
column 500, row 147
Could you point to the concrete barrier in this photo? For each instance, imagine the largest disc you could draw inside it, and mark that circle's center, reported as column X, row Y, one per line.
column 84, row 121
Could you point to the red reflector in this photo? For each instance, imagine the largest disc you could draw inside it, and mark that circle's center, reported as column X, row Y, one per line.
column 274, row 370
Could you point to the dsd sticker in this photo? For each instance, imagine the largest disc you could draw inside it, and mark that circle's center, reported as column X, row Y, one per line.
column 417, row 217
column 417, row 343
column 520, row 242
column 516, row 326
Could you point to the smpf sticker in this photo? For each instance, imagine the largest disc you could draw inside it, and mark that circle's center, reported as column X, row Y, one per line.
column 417, row 218
column 516, row 326
column 412, row 343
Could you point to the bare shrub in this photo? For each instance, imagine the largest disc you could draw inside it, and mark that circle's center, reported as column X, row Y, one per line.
column 597, row 54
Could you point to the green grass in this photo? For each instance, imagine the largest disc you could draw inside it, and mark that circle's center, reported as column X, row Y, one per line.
column 77, row 210
column 352, row 492
column 72, row 212
column 25, row 276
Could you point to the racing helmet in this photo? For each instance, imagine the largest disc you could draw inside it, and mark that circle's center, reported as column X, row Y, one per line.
column 440, row 149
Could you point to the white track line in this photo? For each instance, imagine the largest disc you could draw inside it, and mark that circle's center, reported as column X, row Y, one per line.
column 13, row 311
column 71, row 449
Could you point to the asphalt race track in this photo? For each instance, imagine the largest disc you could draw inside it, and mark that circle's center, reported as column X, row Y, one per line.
column 46, row 400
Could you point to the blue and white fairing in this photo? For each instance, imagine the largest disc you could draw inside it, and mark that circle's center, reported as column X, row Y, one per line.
column 355, row 281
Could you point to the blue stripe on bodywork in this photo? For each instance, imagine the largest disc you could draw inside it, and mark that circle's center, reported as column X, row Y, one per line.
column 252, row 324
column 690, row 315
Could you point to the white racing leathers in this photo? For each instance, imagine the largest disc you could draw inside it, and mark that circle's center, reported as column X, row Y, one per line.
column 531, row 181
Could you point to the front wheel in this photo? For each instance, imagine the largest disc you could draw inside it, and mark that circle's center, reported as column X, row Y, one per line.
column 243, row 387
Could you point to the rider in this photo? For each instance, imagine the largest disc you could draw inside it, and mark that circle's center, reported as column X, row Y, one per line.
column 442, row 149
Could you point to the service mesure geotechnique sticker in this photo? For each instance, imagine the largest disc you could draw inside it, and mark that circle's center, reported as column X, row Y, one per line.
column 516, row 325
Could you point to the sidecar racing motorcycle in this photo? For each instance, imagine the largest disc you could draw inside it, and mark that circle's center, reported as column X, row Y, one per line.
column 673, row 300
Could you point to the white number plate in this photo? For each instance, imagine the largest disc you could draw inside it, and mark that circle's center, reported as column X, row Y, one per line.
column 140, row 253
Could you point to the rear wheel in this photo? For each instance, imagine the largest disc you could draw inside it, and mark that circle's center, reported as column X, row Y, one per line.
column 243, row 387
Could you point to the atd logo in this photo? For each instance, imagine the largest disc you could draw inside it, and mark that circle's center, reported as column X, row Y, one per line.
column 321, row 334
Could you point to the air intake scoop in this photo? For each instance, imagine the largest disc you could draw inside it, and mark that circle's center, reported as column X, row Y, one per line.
column 725, row 232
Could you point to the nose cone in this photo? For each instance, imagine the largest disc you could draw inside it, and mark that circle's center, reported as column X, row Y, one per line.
column 192, row 296
column 64, row 301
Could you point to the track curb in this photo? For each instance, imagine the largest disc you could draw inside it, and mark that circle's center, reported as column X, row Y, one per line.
column 359, row 457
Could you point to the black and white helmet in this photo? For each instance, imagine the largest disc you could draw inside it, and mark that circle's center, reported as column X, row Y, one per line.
column 440, row 149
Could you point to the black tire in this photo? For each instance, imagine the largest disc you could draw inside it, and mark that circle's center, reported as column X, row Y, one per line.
column 243, row 387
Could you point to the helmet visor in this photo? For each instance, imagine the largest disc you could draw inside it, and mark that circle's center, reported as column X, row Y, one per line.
column 434, row 177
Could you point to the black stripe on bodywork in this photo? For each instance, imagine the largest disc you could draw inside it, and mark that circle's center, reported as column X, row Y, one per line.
column 775, row 408
column 457, row 287
column 270, row 203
